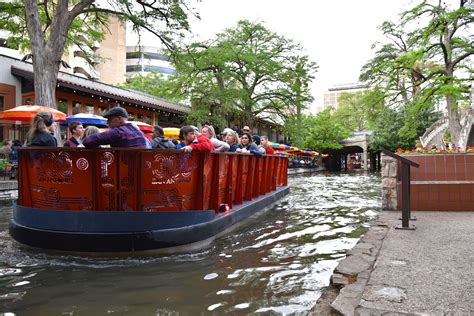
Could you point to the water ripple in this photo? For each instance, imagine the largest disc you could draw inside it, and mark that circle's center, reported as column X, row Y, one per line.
column 275, row 263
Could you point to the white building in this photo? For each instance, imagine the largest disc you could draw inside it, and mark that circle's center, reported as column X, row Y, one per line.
column 144, row 59
column 331, row 98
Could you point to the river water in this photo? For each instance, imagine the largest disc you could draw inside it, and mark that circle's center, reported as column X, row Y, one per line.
column 274, row 263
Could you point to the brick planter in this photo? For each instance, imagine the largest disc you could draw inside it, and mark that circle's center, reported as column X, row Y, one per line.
column 443, row 182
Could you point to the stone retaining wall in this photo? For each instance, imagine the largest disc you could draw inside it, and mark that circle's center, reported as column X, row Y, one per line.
column 389, row 183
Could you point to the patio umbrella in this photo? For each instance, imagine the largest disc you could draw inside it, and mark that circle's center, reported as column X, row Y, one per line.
column 171, row 132
column 144, row 127
column 87, row 119
column 25, row 113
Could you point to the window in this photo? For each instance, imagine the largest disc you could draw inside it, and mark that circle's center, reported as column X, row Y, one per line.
column 102, row 109
column 148, row 119
column 131, row 116
column 76, row 107
column 132, row 68
column 89, row 109
column 140, row 117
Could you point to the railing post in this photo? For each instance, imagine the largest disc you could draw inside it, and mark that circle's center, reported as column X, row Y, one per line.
column 406, row 163
column 406, row 209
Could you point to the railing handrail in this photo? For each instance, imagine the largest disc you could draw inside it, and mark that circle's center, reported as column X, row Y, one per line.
column 400, row 158
column 131, row 179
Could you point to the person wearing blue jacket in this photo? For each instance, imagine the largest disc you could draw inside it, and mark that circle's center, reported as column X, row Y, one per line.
column 248, row 145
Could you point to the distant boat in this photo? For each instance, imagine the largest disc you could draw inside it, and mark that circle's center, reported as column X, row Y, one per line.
column 121, row 200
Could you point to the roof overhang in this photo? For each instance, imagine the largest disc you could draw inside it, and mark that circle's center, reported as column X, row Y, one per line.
column 25, row 70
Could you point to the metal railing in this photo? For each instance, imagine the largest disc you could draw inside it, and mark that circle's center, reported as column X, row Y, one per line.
column 406, row 216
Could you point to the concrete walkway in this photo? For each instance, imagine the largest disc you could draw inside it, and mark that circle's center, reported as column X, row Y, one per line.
column 427, row 271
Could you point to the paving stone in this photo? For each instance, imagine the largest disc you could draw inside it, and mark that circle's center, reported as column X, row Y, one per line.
column 353, row 265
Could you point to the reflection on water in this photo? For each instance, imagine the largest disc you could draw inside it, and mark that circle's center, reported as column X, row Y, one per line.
column 274, row 263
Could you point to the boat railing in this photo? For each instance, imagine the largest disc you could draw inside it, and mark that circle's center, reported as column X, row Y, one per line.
column 127, row 179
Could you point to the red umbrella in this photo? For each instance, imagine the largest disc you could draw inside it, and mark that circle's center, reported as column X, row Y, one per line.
column 144, row 127
column 26, row 113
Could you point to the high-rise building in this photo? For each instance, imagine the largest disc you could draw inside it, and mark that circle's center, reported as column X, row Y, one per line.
column 145, row 59
column 331, row 97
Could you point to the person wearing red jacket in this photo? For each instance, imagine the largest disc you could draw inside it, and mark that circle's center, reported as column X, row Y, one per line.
column 193, row 140
column 264, row 143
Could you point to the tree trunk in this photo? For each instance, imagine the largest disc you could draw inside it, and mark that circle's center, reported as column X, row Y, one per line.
column 453, row 119
column 45, row 68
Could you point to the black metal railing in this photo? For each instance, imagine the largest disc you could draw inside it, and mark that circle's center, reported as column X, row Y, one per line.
column 406, row 210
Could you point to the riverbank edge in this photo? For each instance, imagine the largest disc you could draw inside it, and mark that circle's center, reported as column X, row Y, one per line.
column 350, row 277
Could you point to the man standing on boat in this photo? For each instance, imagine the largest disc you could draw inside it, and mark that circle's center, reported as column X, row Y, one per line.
column 121, row 133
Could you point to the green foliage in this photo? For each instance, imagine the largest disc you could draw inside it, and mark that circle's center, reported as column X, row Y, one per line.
column 385, row 130
column 417, row 117
column 324, row 132
column 248, row 70
column 415, row 68
column 54, row 25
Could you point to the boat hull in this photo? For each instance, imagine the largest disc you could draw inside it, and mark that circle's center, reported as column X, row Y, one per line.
column 105, row 231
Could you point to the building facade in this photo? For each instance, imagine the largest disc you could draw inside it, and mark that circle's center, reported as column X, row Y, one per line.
column 76, row 94
column 331, row 97
column 145, row 59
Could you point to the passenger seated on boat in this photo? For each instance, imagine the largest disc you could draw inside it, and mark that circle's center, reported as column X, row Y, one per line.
column 159, row 141
column 120, row 133
column 77, row 130
column 232, row 138
column 248, row 145
column 193, row 140
column 264, row 143
column 41, row 130
column 219, row 145
column 256, row 141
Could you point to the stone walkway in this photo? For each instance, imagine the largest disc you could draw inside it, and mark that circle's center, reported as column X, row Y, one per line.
column 427, row 271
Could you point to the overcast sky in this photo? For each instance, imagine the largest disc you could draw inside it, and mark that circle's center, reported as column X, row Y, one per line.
column 337, row 35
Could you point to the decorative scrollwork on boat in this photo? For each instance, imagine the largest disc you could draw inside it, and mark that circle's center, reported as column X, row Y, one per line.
column 106, row 160
column 82, row 164
column 52, row 168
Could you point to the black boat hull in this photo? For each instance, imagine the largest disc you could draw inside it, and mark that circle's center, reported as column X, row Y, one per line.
column 100, row 231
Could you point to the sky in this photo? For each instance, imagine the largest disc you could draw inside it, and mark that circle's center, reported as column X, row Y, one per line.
column 337, row 35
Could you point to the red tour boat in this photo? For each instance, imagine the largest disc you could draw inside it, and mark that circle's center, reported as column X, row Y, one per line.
column 120, row 200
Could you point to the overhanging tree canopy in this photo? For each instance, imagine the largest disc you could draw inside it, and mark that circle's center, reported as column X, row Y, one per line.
column 247, row 69
column 47, row 27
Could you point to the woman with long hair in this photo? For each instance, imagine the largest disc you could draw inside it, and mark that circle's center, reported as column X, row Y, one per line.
column 232, row 138
column 41, row 130
column 248, row 146
column 219, row 145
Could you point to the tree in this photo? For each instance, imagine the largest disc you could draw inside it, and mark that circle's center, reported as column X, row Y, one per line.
column 247, row 70
column 448, row 41
column 324, row 132
column 419, row 66
column 48, row 27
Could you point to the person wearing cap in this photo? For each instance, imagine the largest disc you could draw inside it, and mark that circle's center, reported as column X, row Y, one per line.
column 121, row 133
column 159, row 141
column 193, row 140
column 76, row 130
